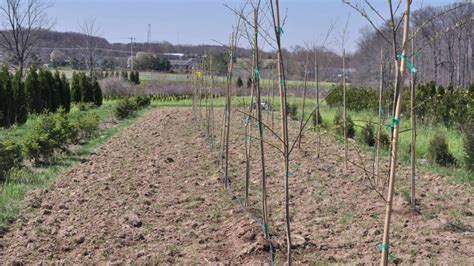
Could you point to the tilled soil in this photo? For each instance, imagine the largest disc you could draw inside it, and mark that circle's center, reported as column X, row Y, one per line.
column 149, row 195
column 153, row 194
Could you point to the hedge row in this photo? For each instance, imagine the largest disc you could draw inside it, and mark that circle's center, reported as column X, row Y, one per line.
column 48, row 134
column 437, row 105
column 42, row 91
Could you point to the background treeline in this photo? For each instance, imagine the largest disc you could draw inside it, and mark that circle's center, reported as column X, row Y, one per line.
column 43, row 91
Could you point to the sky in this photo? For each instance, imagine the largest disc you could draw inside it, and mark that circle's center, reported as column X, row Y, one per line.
column 207, row 21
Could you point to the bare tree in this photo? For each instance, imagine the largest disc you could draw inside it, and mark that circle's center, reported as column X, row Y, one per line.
column 22, row 22
column 90, row 29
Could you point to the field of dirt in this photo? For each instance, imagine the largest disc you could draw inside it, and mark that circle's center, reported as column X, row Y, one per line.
column 153, row 194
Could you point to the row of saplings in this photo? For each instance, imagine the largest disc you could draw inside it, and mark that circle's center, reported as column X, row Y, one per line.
column 43, row 91
column 438, row 150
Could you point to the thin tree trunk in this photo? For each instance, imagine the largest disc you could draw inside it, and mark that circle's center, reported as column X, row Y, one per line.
column 228, row 104
column 413, row 133
column 304, row 100
column 248, row 143
column 318, row 132
column 260, row 126
column 379, row 123
column 344, row 107
column 273, row 98
column 394, row 151
column 284, row 125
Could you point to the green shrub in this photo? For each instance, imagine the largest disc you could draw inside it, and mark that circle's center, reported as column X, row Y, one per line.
column 10, row 156
column 85, row 106
column 124, row 108
column 384, row 140
column 87, row 124
column 141, row 101
column 367, row 135
column 339, row 125
column 51, row 132
column 292, row 110
column 239, row 82
column 438, row 151
column 469, row 146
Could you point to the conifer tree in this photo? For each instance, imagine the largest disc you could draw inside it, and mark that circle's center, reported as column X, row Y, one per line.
column 21, row 111
column 9, row 101
column 2, row 103
column 67, row 93
column 137, row 77
column 86, row 89
column 76, row 95
column 33, row 91
column 97, row 93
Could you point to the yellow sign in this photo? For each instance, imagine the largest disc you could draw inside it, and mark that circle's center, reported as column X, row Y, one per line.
column 198, row 74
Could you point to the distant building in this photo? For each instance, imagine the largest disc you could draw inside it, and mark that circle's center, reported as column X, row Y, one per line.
column 173, row 55
column 184, row 65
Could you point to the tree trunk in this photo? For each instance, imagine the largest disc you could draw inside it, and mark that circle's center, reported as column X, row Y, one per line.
column 394, row 150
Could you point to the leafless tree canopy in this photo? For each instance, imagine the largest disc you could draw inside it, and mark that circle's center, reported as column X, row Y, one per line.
column 442, row 42
column 22, row 22
column 90, row 29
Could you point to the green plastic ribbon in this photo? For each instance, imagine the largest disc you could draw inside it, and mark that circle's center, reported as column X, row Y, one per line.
column 383, row 246
column 280, row 30
column 408, row 62
column 247, row 120
column 257, row 73
column 265, row 229
column 288, row 174
column 395, row 122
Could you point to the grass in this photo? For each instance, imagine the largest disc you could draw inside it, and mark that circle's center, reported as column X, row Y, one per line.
column 424, row 133
column 149, row 76
column 22, row 180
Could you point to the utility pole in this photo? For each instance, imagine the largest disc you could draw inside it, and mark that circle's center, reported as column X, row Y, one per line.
column 131, row 52
column 148, row 39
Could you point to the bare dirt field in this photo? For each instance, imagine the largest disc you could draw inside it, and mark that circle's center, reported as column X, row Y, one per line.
column 153, row 194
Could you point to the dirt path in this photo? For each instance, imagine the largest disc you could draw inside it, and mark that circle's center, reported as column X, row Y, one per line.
column 153, row 194
column 150, row 194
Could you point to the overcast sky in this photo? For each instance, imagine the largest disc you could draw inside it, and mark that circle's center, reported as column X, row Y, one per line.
column 202, row 21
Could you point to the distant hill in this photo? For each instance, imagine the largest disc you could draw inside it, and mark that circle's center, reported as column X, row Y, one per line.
column 72, row 43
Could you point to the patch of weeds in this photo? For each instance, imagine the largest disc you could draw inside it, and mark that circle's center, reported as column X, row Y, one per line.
column 106, row 253
column 318, row 196
column 195, row 202
column 313, row 178
column 432, row 213
column 216, row 213
column 374, row 216
column 413, row 253
column 346, row 218
column 330, row 211
column 148, row 228
column 406, row 194
column 172, row 250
